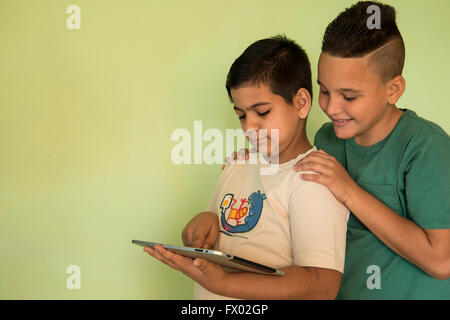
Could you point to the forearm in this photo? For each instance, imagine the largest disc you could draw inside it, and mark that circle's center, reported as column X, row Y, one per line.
column 297, row 283
column 401, row 235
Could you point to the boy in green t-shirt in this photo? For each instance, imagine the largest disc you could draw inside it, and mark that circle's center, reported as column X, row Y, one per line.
column 388, row 166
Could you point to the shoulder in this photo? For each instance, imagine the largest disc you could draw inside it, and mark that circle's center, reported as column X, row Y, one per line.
column 421, row 138
column 413, row 127
column 306, row 194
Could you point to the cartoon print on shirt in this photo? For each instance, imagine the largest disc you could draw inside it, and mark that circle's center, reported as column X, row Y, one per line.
column 243, row 218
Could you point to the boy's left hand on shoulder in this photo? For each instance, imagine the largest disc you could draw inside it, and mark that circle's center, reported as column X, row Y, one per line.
column 330, row 173
column 208, row 274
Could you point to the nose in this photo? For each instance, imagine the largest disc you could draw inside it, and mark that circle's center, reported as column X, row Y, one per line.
column 251, row 123
column 332, row 106
column 251, row 128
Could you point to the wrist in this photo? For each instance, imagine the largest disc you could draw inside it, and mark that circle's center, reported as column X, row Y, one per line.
column 352, row 196
column 225, row 288
column 221, row 285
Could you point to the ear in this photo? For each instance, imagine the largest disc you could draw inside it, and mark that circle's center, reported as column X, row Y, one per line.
column 302, row 103
column 395, row 89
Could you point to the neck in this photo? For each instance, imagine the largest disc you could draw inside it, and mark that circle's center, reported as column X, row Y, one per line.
column 380, row 130
column 299, row 146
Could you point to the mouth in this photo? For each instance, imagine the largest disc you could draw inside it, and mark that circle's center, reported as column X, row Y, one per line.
column 259, row 145
column 258, row 142
column 341, row 122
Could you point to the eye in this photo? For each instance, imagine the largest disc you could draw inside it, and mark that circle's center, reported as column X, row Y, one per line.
column 262, row 114
column 349, row 98
column 241, row 117
column 324, row 92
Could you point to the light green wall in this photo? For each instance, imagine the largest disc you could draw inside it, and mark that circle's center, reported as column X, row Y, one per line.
column 86, row 118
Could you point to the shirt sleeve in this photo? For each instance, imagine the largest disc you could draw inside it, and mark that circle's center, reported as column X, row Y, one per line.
column 427, row 182
column 318, row 224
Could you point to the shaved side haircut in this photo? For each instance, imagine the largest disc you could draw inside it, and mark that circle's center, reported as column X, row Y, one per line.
column 348, row 36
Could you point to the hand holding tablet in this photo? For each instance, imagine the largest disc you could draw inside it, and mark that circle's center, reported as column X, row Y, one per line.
column 233, row 263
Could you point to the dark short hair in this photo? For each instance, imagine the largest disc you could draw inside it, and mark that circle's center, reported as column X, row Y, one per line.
column 349, row 36
column 277, row 62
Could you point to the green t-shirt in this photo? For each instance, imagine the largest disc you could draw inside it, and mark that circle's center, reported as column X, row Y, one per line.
column 409, row 171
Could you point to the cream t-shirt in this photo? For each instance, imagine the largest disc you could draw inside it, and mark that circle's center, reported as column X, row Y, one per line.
column 278, row 220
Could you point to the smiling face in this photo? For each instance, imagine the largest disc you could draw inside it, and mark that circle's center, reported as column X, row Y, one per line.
column 258, row 108
column 354, row 97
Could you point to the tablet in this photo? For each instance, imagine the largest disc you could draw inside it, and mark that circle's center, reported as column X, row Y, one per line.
column 233, row 263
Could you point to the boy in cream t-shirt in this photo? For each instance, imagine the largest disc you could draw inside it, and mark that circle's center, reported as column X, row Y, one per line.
column 278, row 220
column 275, row 219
